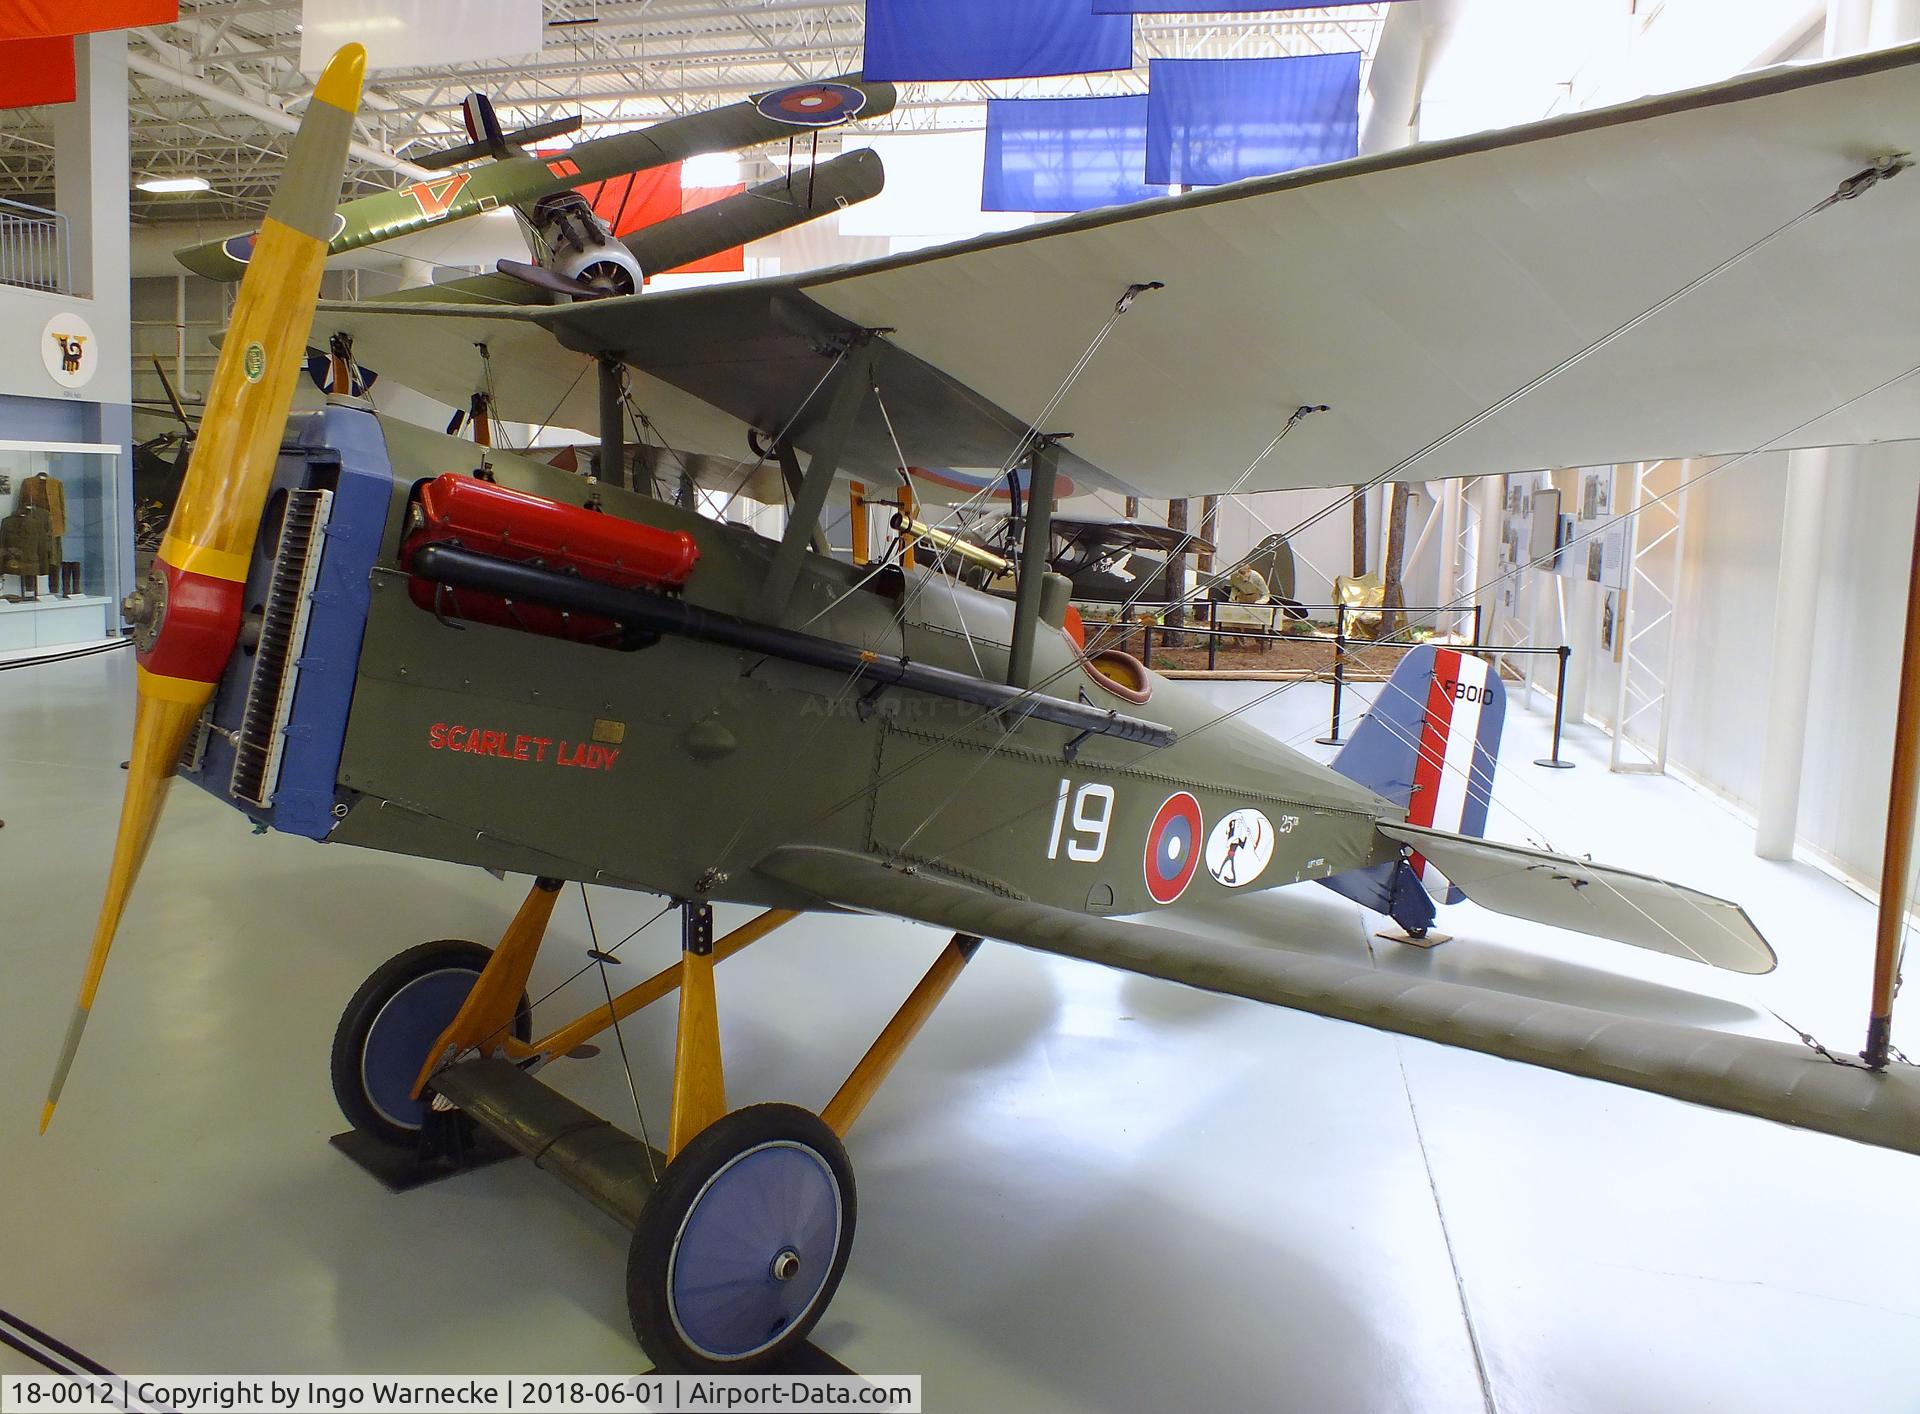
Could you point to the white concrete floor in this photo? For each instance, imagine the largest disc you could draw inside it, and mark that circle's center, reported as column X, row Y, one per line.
column 1081, row 1191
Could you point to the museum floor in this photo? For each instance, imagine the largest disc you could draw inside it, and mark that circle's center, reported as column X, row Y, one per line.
column 1080, row 1191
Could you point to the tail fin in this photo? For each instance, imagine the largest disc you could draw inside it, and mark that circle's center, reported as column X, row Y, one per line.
column 1430, row 743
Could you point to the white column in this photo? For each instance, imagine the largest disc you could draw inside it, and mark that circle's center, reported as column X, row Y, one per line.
column 1790, row 685
column 1448, row 574
column 1894, row 22
column 1852, row 25
column 91, row 185
column 1487, row 554
column 1849, row 26
column 1584, row 639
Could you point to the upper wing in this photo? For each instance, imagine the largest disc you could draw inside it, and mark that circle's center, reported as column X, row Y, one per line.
column 707, row 365
column 1594, row 898
column 1409, row 290
column 1772, row 1079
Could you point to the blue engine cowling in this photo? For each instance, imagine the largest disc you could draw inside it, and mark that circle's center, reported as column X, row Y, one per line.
column 279, row 717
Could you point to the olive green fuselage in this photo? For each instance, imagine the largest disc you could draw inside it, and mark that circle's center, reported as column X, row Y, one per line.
column 673, row 768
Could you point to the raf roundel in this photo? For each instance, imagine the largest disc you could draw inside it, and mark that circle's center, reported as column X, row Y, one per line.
column 1173, row 847
column 812, row 105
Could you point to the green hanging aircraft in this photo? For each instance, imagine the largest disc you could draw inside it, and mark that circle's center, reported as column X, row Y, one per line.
column 373, row 635
column 577, row 253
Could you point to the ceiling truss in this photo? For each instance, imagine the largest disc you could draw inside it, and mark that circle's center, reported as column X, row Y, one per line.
column 617, row 63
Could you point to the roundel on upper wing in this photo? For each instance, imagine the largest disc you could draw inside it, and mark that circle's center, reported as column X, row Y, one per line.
column 812, row 105
column 1173, row 847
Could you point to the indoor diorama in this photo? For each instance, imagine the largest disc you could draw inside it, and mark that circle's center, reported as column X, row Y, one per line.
column 1060, row 705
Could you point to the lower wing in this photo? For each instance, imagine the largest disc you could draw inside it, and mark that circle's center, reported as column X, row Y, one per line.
column 1775, row 1080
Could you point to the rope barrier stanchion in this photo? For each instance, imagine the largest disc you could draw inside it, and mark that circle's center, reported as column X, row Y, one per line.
column 1553, row 762
column 1332, row 738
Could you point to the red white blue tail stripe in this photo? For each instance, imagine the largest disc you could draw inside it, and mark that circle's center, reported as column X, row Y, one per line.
column 1429, row 744
column 1453, row 773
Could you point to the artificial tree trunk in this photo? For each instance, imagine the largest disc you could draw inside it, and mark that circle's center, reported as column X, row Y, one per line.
column 1177, row 565
column 1394, row 592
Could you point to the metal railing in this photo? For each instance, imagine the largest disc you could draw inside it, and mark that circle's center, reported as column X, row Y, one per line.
column 33, row 248
column 1343, row 644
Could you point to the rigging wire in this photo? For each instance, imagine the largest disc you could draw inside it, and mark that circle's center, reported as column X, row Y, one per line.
column 613, row 1015
column 500, row 1031
column 1853, row 187
column 781, row 435
column 1026, row 439
column 940, row 562
column 1012, row 707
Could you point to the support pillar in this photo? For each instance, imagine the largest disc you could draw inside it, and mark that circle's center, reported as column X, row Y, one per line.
column 1790, row 680
column 91, row 179
column 1893, row 22
column 1448, row 573
column 1176, row 581
column 1486, row 556
column 1043, row 469
column 1583, row 637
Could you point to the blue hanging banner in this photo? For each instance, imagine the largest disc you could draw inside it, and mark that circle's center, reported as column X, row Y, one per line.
column 1065, row 154
column 1210, row 7
column 1217, row 120
column 933, row 40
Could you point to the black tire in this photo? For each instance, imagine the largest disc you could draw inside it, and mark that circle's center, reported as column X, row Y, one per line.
column 804, row 1161
column 426, row 965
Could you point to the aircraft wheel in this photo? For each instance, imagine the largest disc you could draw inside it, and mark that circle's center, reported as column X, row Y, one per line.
column 389, row 1026
column 741, row 1246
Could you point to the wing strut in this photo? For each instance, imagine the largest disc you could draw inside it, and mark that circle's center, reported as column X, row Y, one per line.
column 1043, row 470
column 1899, row 846
column 856, row 381
column 612, row 465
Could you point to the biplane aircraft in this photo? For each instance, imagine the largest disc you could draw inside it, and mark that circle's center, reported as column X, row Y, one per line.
column 375, row 635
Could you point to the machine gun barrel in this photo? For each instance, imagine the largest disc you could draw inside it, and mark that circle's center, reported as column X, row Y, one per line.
column 651, row 612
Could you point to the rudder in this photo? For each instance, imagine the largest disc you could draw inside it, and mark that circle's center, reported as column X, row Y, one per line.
column 1430, row 744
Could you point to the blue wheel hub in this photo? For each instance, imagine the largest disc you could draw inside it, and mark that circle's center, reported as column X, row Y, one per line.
column 406, row 1027
column 755, row 1250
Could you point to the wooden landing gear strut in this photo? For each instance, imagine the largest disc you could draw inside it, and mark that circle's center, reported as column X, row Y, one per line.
column 699, row 1081
column 741, row 1231
column 741, row 1245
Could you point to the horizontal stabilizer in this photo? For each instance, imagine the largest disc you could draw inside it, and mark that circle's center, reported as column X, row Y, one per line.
column 520, row 138
column 1591, row 898
column 1777, row 1080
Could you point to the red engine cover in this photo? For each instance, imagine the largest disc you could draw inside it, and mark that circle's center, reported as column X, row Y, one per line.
column 459, row 509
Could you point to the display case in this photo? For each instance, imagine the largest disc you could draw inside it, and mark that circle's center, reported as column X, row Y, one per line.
column 62, row 544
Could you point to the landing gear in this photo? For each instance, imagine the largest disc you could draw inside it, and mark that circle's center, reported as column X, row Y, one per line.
column 739, row 1249
column 389, row 1026
column 741, row 1230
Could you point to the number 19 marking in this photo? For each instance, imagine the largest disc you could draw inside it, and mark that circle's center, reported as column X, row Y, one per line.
column 1088, row 841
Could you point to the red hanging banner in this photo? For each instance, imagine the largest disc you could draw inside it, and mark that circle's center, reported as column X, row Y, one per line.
column 639, row 199
column 36, row 71
column 734, row 258
column 43, row 19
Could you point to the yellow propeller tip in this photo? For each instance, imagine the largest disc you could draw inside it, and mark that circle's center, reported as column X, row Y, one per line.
column 46, row 1116
column 340, row 82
